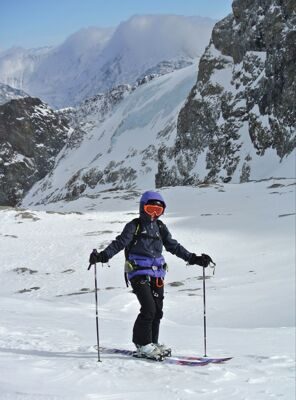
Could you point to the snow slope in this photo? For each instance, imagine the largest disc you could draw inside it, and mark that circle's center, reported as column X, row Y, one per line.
column 119, row 148
column 47, row 318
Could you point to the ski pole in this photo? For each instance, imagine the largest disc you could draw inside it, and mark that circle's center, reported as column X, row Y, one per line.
column 204, row 312
column 204, row 304
column 97, row 314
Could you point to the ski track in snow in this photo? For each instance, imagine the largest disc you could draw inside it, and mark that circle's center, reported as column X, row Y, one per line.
column 47, row 311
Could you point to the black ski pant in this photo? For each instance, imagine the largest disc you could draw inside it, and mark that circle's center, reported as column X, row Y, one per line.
column 146, row 327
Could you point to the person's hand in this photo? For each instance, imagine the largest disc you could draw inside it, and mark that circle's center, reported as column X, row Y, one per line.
column 93, row 258
column 204, row 260
column 207, row 259
column 98, row 257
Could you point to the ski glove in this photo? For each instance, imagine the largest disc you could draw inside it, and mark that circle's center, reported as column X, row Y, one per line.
column 98, row 257
column 204, row 260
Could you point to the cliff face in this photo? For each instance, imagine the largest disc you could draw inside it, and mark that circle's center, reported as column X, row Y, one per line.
column 242, row 109
column 31, row 135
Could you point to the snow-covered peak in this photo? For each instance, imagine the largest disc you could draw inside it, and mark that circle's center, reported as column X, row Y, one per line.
column 144, row 41
column 60, row 75
column 86, row 39
column 95, row 60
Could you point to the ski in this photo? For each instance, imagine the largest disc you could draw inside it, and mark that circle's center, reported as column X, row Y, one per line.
column 177, row 360
column 214, row 360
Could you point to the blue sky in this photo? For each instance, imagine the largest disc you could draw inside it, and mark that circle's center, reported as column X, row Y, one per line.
column 35, row 23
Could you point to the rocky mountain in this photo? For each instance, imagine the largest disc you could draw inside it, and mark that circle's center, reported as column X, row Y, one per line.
column 31, row 135
column 116, row 140
column 8, row 93
column 120, row 139
column 95, row 60
column 240, row 116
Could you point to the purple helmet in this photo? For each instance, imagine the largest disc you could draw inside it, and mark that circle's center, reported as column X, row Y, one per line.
column 150, row 195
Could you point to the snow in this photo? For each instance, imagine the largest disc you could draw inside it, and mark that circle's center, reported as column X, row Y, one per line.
column 18, row 158
column 267, row 166
column 47, row 334
column 259, row 54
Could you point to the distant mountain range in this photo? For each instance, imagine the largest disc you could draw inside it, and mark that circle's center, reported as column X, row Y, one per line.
column 94, row 60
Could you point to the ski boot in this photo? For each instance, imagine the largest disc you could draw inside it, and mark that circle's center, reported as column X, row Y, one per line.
column 149, row 351
column 165, row 351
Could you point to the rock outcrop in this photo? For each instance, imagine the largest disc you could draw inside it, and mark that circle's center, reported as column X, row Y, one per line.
column 243, row 106
column 31, row 135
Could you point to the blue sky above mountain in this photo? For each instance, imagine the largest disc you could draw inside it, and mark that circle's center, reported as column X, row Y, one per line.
column 49, row 22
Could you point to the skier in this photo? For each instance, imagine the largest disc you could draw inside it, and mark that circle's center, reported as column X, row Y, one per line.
column 143, row 239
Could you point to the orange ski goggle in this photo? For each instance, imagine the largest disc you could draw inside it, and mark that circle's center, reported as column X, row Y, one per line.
column 153, row 210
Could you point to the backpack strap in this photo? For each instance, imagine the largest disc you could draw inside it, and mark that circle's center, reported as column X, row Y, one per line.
column 137, row 223
column 126, row 279
column 160, row 227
